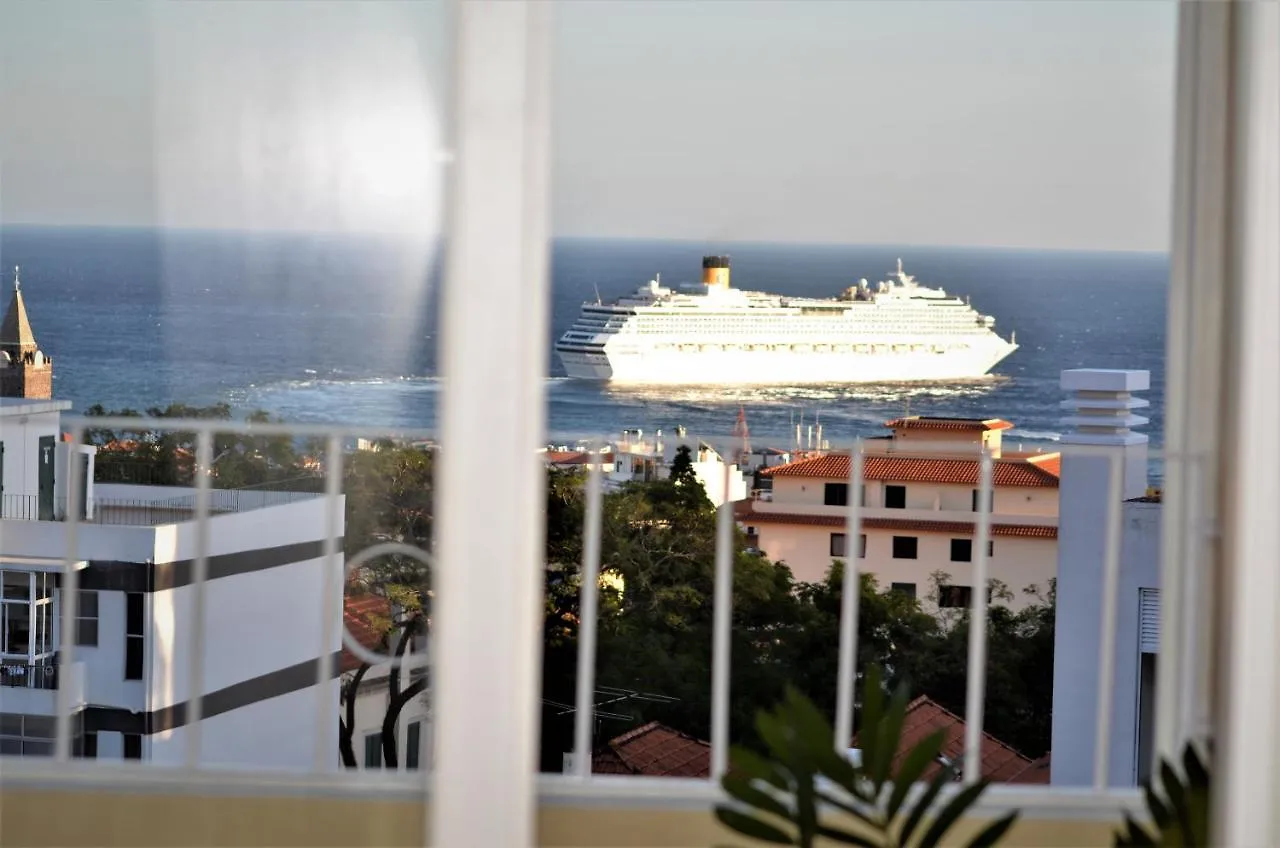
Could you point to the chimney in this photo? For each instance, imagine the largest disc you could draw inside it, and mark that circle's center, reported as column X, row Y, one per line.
column 1100, row 422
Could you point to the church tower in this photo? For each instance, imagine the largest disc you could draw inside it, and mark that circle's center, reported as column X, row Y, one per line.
column 25, row 372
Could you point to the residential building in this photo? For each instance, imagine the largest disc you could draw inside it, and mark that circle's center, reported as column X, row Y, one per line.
column 919, row 499
column 365, row 703
column 1102, row 431
column 636, row 458
column 653, row 750
column 130, row 677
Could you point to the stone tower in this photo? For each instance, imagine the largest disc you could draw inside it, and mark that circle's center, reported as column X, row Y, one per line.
column 25, row 372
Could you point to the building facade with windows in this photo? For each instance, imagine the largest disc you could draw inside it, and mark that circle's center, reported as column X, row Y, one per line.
column 919, row 501
column 135, row 553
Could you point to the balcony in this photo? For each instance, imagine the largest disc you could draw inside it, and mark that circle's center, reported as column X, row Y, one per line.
column 149, row 506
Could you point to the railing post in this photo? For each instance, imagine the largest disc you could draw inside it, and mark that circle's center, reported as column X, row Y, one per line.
column 493, row 356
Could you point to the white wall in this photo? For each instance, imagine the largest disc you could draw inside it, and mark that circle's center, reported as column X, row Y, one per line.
column 104, row 665
column 371, row 709
column 21, row 435
column 808, row 492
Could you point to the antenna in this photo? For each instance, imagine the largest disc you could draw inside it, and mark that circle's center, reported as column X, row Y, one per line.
column 17, row 279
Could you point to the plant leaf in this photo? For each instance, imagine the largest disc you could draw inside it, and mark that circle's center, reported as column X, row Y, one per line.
column 1176, row 793
column 753, row 827
column 1135, row 836
column 889, row 732
column 923, row 803
column 1159, row 812
column 948, row 815
column 752, row 764
column 853, row 810
column 912, row 768
column 848, row 838
column 741, row 787
column 872, row 713
column 1197, row 773
column 777, row 738
column 991, row 834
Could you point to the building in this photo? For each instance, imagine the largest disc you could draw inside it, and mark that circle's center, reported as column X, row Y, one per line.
column 919, row 499
column 1102, row 430
column 636, row 459
column 130, row 677
column 25, row 371
column 366, row 697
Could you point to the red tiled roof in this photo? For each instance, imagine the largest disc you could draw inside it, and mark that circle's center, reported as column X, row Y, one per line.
column 654, row 750
column 574, row 457
column 1034, row 472
column 1000, row 763
column 360, row 616
column 972, row 425
column 1037, row 772
column 745, row 512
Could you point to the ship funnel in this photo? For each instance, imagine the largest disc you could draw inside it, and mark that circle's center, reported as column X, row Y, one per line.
column 715, row 271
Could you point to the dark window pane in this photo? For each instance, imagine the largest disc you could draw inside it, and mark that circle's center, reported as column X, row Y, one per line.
column 86, row 631
column 34, row 748
column 133, row 614
column 954, row 596
column 89, row 746
column 412, row 745
column 373, row 750
column 10, row 725
column 39, row 727
column 88, row 605
column 961, row 550
column 991, row 549
column 835, row 494
column 132, row 746
column 837, row 544
column 904, row 547
column 10, row 747
column 862, row 546
column 895, row 497
column 133, row 658
column 908, row 589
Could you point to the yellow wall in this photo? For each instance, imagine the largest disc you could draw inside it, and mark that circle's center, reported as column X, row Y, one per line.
column 74, row 818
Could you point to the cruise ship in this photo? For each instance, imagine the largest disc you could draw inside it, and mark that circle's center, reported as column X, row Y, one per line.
column 708, row 333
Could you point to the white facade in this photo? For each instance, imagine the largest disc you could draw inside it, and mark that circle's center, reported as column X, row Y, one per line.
column 1101, row 421
column 636, row 459
column 264, row 618
column 711, row 334
column 372, row 700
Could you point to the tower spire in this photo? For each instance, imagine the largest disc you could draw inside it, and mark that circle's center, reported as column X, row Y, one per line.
column 24, row 369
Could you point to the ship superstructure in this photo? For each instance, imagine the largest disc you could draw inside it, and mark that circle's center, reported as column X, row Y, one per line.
column 896, row 330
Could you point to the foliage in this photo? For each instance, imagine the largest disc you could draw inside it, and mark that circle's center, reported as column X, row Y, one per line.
column 1181, row 816
column 803, row 773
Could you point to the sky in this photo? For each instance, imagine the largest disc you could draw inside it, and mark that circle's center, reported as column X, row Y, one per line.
column 1024, row 123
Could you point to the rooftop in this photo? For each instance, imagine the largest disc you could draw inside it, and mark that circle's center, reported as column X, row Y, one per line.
column 1040, row 471
column 366, row 618
column 654, row 750
column 1000, row 763
column 952, row 425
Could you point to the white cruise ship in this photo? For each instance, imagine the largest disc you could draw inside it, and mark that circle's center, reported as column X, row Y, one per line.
column 703, row 334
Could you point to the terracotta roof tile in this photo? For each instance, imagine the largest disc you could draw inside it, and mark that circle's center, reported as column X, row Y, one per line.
column 1036, row 773
column 360, row 615
column 972, row 425
column 746, row 512
column 574, row 457
column 654, row 750
column 1035, row 472
column 999, row 762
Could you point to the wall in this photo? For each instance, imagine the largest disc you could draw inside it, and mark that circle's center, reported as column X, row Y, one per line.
column 257, row 623
column 371, row 709
column 21, row 435
column 1075, row 693
column 1017, row 561
column 806, row 494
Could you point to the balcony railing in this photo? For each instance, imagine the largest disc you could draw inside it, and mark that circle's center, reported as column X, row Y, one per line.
column 146, row 512
column 26, row 675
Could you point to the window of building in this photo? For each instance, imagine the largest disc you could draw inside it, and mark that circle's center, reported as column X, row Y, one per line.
column 87, row 618
column 88, row 747
column 838, row 545
column 904, row 547
column 373, row 750
column 413, row 745
column 954, row 596
column 977, row 500
column 908, row 589
column 961, row 550
column 27, row 637
column 895, row 497
column 26, row 735
column 835, row 494
column 132, row 746
column 991, row 548
column 134, row 639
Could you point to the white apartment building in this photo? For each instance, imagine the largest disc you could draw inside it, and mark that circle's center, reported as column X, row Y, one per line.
column 636, row 458
column 919, row 499
column 131, row 675
column 1101, row 430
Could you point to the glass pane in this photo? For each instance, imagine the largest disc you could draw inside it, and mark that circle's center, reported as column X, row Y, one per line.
column 17, row 584
column 10, row 747
column 37, row 749
column 17, row 628
column 86, row 632
column 44, row 585
column 88, row 605
column 38, row 727
column 44, row 629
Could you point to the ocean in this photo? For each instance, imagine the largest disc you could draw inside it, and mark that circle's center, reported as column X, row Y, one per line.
column 343, row 329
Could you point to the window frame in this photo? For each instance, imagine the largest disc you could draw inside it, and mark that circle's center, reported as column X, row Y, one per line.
column 915, row 547
column 835, row 494
column 135, row 643
column 968, row 550
column 900, row 491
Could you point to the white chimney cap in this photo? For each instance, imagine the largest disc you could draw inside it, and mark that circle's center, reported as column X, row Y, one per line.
column 1105, row 380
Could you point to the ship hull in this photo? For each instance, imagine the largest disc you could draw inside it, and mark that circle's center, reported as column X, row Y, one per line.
column 739, row 367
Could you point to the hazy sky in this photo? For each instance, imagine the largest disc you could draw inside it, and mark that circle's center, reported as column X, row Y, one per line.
column 1015, row 122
